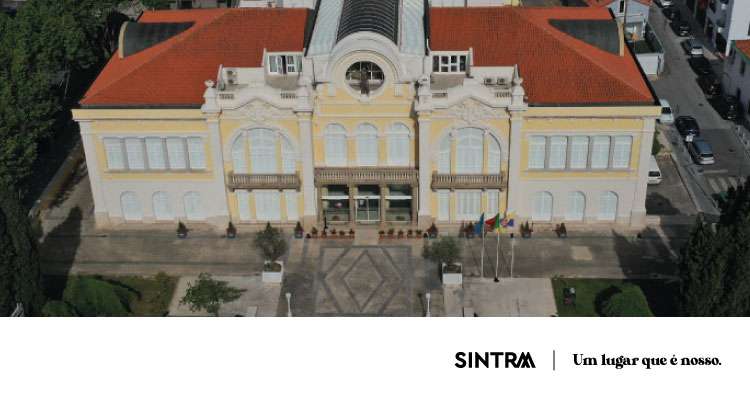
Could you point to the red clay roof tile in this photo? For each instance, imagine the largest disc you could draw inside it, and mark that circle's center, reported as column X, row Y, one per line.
column 743, row 46
column 605, row 3
column 173, row 72
column 557, row 68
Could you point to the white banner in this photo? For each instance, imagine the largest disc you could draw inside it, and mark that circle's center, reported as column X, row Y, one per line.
column 368, row 358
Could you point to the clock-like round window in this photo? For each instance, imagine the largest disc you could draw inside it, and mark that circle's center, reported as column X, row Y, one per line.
column 364, row 77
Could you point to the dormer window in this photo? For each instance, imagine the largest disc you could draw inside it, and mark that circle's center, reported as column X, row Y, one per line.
column 449, row 63
column 284, row 64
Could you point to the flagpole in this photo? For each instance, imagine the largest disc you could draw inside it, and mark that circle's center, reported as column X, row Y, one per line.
column 497, row 256
column 481, row 268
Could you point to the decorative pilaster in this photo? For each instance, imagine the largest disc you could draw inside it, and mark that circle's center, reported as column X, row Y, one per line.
column 311, row 206
column 217, row 166
column 424, row 110
column 638, row 214
column 101, row 214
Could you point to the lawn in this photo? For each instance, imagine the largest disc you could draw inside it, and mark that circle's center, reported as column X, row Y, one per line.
column 153, row 297
column 590, row 293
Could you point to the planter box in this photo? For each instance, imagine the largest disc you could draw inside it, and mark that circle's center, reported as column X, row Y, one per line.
column 526, row 235
column 562, row 235
column 351, row 236
column 433, row 235
column 298, row 235
column 273, row 276
column 314, row 235
column 452, row 278
column 469, row 235
column 181, row 235
column 231, row 235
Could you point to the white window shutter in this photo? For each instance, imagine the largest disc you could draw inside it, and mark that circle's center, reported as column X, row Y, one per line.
column 335, row 145
column 162, row 207
column 291, row 205
column 607, row 207
column 575, row 206
column 155, row 153
column 197, row 153
column 495, row 157
column 621, row 156
column 469, row 151
column 114, row 153
column 134, row 150
column 243, row 205
column 239, row 161
column 558, row 152
column 367, row 144
column 579, row 152
column 131, row 207
column 176, row 153
column 444, row 156
column 263, row 157
column 600, row 156
column 537, row 149
column 194, row 207
column 542, row 207
column 444, row 205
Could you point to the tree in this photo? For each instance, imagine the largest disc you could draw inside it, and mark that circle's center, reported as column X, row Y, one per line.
column 445, row 250
column 20, row 268
column 630, row 302
column 271, row 243
column 94, row 297
column 656, row 145
column 208, row 294
column 57, row 308
column 714, row 269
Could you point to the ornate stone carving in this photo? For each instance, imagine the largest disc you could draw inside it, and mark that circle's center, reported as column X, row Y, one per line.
column 258, row 112
column 469, row 111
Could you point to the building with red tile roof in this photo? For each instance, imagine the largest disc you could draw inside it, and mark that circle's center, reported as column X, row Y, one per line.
column 371, row 112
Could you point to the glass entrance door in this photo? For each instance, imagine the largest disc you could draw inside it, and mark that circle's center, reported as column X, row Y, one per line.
column 367, row 203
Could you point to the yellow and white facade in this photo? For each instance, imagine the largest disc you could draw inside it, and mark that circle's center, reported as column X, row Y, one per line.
column 423, row 137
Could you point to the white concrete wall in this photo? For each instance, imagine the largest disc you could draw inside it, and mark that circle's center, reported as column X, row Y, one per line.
column 733, row 80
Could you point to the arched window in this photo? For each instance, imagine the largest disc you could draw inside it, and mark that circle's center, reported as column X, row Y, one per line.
column 469, row 151
column 542, row 207
column 194, row 207
column 334, row 136
column 607, row 207
column 367, row 144
column 288, row 158
column 398, row 144
column 494, row 157
column 575, row 207
column 263, row 151
column 444, row 156
column 239, row 160
column 162, row 207
column 131, row 207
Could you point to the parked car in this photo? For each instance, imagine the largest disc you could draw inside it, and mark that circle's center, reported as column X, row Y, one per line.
column 664, row 3
column 666, row 112
column 693, row 47
column 709, row 84
column 681, row 28
column 701, row 152
column 687, row 125
column 654, row 173
column 727, row 107
column 700, row 65
column 672, row 13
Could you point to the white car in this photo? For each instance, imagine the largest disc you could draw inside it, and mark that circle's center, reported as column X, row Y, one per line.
column 693, row 47
column 666, row 112
column 654, row 173
column 664, row 3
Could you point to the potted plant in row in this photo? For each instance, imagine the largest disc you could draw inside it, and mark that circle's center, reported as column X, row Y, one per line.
column 342, row 234
column 333, row 234
column 271, row 245
column 231, row 231
column 324, row 234
column 432, row 231
column 400, row 233
column 314, row 232
column 390, row 233
column 419, row 233
column 382, row 234
column 526, row 230
column 351, row 233
column 561, row 230
column 410, row 234
column 469, row 231
column 298, row 231
column 182, row 230
column 447, row 253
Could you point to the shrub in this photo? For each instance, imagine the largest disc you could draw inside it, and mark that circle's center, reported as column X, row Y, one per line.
column 181, row 228
column 271, row 243
column 93, row 297
column 656, row 146
column 208, row 294
column 57, row 308
column 445, row 250
column 630, row 302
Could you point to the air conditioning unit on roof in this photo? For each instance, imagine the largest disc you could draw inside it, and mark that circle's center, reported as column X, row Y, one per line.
column 489, row 80
column 501, row 80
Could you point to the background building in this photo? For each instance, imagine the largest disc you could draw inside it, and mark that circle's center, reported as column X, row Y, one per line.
column 722, row 20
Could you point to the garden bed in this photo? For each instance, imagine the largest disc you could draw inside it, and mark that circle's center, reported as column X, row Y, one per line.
column 591, row 293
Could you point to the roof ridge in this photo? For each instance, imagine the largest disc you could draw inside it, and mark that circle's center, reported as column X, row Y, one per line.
column 156, row 56
column 584, row 55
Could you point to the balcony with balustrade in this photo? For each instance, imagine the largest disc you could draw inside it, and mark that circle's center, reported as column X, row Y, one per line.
column 263, row 181
column 468, row 181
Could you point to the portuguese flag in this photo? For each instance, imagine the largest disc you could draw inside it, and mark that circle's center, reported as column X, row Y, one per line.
column 494, row 222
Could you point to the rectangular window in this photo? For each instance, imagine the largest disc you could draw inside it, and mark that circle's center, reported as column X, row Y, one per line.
column 579, row 152
column 622, row 6
column 600, row 152
column 155, row 153
column 558, row 152
column 444, row 205
column 135, row 153
column 468, row 204
column 114, row 154
column 493, row 201
column 621, row 154
column 291, row 205
column 537, row 148
column 197, row 152
column 284, row 64
column 267, row 205
column 291, row 66
column 243, row 204
column 176, row 153
column 453, row 63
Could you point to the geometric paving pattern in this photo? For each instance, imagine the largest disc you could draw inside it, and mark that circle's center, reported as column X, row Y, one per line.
column 363, row 281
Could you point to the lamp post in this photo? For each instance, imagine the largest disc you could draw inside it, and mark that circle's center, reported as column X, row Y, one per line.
column 427, row 296
column 512, row 253
column 288, row 304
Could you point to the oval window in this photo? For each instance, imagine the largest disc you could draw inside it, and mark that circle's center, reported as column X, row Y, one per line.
column 364, row 77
